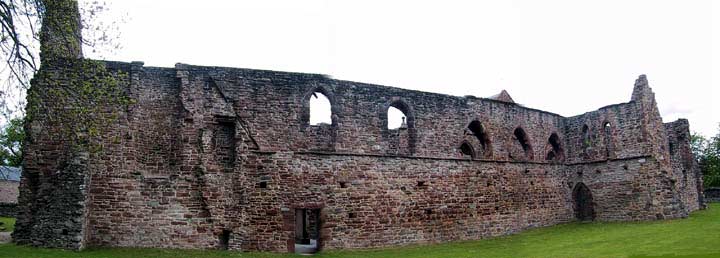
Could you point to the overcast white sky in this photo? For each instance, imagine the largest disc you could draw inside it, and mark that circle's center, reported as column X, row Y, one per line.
column 567, row 57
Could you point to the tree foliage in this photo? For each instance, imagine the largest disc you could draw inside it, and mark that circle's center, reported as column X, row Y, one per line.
column 11, row 139
column 707, row 153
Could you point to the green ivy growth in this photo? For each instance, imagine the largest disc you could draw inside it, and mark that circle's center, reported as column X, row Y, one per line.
column 76, row 100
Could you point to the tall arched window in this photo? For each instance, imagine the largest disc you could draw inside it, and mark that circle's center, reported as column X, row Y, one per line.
column 585, row 142
column 398, row 120
column 556, row 152
column 320, row 109
column 481, row 134
column 607, row 138
column 524, row 142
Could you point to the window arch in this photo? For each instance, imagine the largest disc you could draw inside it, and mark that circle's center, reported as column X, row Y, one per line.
column 524, row 141
column 466, row 150
column 478, row 130
column 585, row 142
column 556, row 151
column 401, row 137
column 585, row 137
column 320, row 109
column 607, row 138
column 398, row 115
column 396, row 118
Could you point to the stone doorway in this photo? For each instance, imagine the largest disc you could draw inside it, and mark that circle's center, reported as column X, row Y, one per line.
column 584, row 210
column 307, row 231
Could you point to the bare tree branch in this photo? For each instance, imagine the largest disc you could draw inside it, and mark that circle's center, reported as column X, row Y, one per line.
column 20, row 49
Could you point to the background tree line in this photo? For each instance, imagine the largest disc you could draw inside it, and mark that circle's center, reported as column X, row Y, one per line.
column 707, row 153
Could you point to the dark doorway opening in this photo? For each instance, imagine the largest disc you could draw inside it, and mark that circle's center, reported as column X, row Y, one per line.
column 584, row 210
column 307, row 231
column 225, row 239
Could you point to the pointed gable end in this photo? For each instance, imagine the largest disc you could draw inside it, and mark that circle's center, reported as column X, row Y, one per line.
column 503, row 96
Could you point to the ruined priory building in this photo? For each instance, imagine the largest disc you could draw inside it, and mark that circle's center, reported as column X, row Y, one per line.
column 212, row 157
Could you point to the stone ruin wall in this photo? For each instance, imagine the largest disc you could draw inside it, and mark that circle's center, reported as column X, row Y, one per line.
column 205, row 150
column 685, row 175
column 8, row 191
column 8, row 197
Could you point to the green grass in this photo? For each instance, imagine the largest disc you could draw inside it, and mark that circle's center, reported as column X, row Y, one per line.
column 696, row 236
column 8, row 224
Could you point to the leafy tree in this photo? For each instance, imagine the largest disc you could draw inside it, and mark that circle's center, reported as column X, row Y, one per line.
column 11, row 139
column 710, row 163
column 697, row 145
column 707, row 153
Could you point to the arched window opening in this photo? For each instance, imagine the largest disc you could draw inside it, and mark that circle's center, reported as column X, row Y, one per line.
column 467, row 150
column 399, row 119
column 607, row 137
column 320, row 109
column 557, row 152
column 479, row 131
column 396, row 118
column 524, row 142
column 585, row 137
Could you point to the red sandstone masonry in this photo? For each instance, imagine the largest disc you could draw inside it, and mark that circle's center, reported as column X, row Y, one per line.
column 206, row 149
column 8, row 191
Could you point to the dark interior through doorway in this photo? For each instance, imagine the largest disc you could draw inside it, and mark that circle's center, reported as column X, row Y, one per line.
column 584, row 210
column 307, row 230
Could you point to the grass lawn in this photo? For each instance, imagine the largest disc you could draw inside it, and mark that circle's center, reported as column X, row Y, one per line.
column 696, row 236
column 8, row 224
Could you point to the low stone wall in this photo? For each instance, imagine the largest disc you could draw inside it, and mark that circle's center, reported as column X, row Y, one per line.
column 8, row 209
column 9, row 191
column 712, row 194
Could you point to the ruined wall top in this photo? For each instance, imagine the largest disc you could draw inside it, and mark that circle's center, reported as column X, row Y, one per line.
column 188, row 129
column 273, row 109
column 642, row 89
